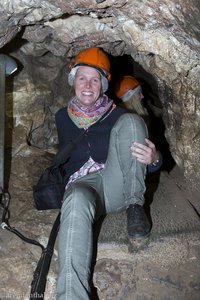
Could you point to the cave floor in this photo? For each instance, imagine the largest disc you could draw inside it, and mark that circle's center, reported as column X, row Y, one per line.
column 163, row 267
column 166, row 265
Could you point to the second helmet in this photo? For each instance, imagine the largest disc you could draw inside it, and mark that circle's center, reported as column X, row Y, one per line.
column 125, row 84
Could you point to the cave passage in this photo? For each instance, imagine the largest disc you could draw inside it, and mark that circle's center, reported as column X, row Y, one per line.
column 125, row 65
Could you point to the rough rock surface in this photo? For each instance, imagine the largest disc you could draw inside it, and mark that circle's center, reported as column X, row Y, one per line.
column 163, row 267
column 160, row 44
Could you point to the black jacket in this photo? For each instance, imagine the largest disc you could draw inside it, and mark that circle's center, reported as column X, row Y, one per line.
column 94, row 143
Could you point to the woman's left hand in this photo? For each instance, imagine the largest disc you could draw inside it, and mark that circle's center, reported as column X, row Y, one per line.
column 146, row 154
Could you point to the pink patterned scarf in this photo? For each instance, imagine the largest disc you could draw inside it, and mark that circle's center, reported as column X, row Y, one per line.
column 84, row 117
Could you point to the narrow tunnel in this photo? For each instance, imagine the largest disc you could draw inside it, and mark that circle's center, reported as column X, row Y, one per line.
column 31, row 135
column 160, row 49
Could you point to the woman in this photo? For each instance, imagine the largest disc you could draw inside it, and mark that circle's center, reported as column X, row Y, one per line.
column 102, row 175
column 128, row 89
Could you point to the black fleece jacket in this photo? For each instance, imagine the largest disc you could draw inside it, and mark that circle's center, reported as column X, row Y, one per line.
column 94, row 143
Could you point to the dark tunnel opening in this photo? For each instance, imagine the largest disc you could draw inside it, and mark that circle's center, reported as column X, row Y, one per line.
column 125, row 65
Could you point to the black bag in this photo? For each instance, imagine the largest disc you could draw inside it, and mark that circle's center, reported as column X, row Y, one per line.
column 49, row 190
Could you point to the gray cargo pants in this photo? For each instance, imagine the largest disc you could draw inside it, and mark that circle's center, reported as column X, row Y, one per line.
column 120, row 183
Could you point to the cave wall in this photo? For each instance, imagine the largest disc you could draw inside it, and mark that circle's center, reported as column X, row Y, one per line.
column 161, row 36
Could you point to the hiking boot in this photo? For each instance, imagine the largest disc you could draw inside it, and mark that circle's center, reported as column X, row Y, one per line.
column 138, row 225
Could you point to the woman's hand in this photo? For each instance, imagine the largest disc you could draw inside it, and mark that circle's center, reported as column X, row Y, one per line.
column 146, row 154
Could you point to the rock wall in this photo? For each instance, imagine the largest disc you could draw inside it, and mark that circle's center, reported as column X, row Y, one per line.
column 161, row 40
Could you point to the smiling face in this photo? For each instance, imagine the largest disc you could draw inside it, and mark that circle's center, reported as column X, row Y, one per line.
column 87, row 84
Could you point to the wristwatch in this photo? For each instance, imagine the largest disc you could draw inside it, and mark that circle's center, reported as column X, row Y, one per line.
column 155, row 163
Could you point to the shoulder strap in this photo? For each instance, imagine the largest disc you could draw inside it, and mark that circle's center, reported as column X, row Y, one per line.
column 63, row 155
column 40, row 274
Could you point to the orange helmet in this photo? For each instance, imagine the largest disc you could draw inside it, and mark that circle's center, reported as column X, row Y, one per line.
column 93, row 57
column 125, row 84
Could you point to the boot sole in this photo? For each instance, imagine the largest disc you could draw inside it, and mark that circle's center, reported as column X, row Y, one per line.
column 139, row 237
